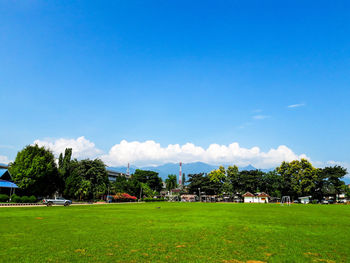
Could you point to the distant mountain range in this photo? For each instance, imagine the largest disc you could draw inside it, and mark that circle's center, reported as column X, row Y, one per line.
column 187, row 168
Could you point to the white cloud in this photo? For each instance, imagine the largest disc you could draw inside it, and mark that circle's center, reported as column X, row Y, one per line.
column 152, row 153
column 296, row 105
column 260, row 117
column 4, row 159
column 81, row 147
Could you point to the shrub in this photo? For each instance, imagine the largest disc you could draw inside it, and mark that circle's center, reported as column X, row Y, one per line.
column 4, row 198
column 150, row 199
column 25, row 199
column 32, row 199
column 314, row 202
column 124, row 197
column 15, row 199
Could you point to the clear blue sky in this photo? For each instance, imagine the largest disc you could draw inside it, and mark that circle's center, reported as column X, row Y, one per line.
column 177, row 72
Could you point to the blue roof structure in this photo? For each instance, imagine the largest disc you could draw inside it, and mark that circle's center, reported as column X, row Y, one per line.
column 7, row 184
column 2, row 172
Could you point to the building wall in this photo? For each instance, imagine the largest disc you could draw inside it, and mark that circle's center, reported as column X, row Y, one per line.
column 256, row 199
column 248, row 199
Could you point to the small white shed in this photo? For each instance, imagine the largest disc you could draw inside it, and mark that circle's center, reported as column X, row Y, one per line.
column 256, row 198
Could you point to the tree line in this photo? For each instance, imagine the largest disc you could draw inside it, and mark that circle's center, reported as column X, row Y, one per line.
column 294, row 179
column 36, row 172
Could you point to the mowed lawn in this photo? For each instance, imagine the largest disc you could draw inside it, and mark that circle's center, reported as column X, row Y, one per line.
column 176, row 232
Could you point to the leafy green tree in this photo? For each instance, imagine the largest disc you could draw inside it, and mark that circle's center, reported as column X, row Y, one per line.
column 299, row 178
column 251, row 181
column 149, row 177
column 203, row 182
column 83, row 189
column 35, row 172
column 125, row 185
column 93, row 171
column 171, row 182
column 347, row 191
column 64, row 167
column 218, row 175
column 333, row 176
column 232, row 184
column 147, row 191
column 272, row 184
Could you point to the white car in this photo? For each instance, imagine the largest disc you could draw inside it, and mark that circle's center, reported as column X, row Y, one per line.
column 57, row 201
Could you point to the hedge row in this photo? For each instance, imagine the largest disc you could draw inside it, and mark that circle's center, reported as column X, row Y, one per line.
column 18, row 199
column 4, row 198
column 150, row 199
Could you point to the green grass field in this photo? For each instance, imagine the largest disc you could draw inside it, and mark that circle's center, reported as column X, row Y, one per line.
column 177, row 232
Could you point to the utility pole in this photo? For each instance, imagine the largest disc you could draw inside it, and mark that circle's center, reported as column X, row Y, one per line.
column 180, row 175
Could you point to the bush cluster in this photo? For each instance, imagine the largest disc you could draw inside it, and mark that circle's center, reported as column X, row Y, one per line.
column 4, row 198
column 24, row 199
column 123, row 197
column 150, row 199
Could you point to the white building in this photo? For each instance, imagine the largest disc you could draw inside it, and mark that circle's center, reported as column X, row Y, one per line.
column 256, row 198
column 305, row 199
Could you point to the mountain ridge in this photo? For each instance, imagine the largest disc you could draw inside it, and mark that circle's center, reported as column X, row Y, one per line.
column 187, row 168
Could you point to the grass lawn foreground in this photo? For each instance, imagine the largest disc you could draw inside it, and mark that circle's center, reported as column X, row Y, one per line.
column 176, row 232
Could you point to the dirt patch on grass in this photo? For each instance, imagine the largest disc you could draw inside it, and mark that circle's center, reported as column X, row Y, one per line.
column 80, row 250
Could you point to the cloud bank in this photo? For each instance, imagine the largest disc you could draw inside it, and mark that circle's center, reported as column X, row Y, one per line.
column 81, row 147
column 152, row 153
column 4, row 159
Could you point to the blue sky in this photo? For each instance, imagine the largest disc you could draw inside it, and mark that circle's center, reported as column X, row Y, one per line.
column 177, row 72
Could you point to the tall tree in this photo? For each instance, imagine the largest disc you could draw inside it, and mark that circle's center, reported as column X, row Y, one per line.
column 88, row 180
column 203, row 182
column 183, row 179
column 333, row 176
column 171, row 182
column 35, row 172
column 149, row 177
column 232, row 184
column 272, row 184
column 251, row 181
column 299, row 178
column 64, row 167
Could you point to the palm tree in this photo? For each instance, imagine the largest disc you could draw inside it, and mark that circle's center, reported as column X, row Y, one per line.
column 171, row 182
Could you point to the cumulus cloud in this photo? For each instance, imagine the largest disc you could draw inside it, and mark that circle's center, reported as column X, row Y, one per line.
column 296, row 105
column 4, row 159
column 81, row 147
column 152, row 153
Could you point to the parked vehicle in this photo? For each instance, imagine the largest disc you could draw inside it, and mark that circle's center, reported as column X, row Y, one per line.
column 57, row 201
column 324, row 202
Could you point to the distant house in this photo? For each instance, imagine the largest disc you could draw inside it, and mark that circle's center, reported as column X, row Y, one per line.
column 305, row 199
column 188, row 198
column 256, row 198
